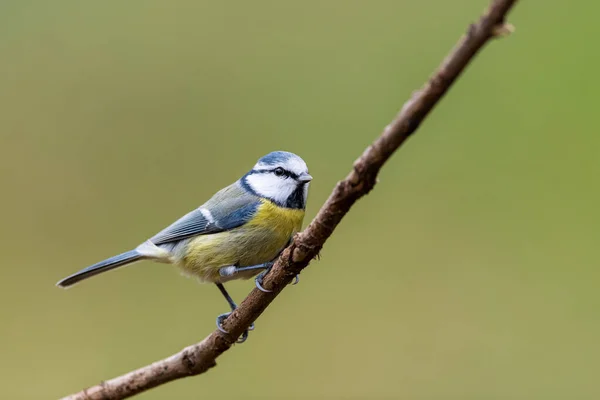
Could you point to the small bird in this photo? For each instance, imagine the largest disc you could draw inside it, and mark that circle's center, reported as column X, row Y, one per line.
column 237, row 234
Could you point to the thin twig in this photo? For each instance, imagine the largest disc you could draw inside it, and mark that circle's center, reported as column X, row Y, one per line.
column 200, row 357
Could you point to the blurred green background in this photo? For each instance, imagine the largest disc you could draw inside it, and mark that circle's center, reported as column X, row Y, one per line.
column 470, row 272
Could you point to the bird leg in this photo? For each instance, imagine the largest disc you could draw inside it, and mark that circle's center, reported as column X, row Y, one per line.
column 232, row 269
column 223, row 317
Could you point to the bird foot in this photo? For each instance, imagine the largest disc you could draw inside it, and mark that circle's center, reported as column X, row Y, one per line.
column 259, row 281
column 221, row 318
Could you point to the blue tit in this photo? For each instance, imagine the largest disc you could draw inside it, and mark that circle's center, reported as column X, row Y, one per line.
column 237, row 234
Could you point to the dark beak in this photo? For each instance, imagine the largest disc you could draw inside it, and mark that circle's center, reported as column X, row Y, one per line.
column 304, row 178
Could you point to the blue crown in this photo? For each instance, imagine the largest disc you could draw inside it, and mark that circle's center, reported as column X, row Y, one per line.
column 276, row 157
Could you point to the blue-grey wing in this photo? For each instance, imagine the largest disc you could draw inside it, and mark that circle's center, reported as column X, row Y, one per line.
column 229, row 208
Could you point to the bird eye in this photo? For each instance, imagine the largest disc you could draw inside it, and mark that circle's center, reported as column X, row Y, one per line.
column 279, row 171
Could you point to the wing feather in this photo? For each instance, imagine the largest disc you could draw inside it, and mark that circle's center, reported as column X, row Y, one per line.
column 191, row 224
column 228, row 209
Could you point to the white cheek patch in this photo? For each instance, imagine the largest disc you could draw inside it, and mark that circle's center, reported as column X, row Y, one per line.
column 272, row 187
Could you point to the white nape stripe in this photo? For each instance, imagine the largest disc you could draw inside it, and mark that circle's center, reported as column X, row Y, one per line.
column 207, row 214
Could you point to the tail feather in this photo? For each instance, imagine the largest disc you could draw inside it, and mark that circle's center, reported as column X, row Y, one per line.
column 103, row 266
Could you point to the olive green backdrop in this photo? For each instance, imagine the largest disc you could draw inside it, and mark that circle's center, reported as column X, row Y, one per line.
column 470, row 272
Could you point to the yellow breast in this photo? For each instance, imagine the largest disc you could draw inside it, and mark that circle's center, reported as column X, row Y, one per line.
column 258, row 241
column 283, row 221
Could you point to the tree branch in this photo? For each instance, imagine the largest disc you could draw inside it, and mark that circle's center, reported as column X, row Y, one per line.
column 200, row 357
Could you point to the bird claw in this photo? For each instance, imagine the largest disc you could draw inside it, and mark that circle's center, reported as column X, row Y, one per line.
column 259, row 280
column 244, row 335
column 242, row 338
column 220, row 320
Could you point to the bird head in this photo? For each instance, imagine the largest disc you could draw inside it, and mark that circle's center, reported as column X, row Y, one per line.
column 281, row 177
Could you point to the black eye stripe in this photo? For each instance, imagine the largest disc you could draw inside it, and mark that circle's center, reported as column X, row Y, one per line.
column 288, row 173
column 272, row 170
column 269, row 171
